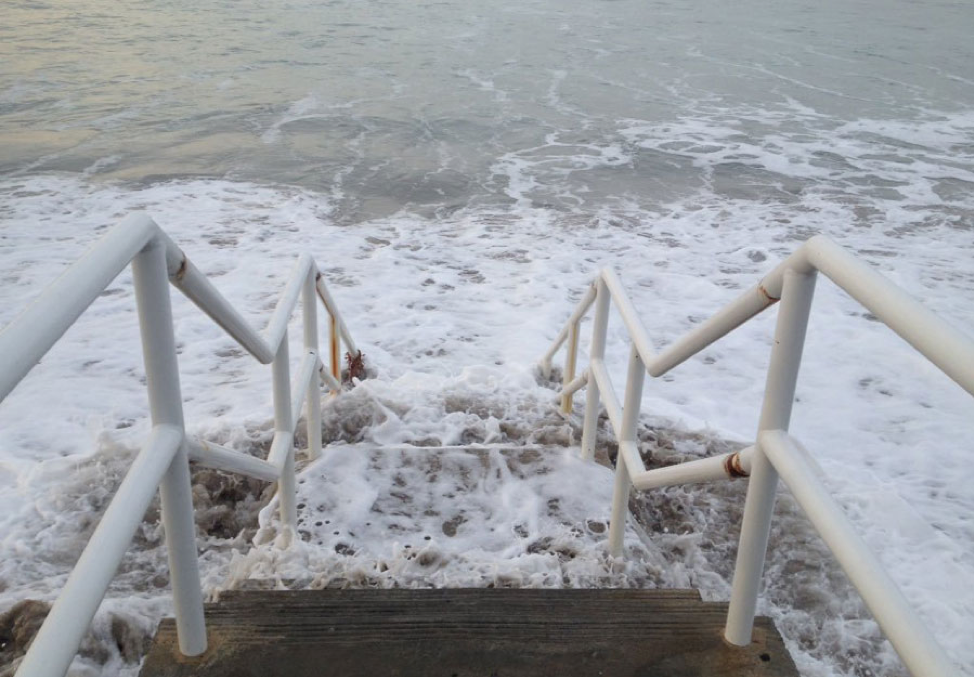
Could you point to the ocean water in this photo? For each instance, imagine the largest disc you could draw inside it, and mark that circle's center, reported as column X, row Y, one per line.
column 460, row 171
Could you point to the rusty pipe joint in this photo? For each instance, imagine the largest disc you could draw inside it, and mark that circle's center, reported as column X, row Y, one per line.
column 734, row 466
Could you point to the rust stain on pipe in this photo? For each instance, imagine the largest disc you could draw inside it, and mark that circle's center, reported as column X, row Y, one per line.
column 772, row 299
column 336, row 365
column 733, row 467
column 183, row 267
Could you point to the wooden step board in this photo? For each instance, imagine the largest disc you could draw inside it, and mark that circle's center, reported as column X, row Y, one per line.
column 469, row 633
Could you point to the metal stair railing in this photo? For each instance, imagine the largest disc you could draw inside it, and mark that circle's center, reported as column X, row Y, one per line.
column 163, row 463
column 775, row 453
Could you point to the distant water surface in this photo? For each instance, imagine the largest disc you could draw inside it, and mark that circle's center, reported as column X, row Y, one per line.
column 437, row 106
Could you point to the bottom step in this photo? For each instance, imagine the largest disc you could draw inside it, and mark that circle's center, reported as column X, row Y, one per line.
column 469, row 633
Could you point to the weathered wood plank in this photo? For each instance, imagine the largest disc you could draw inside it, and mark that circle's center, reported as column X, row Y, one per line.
column 466, row 633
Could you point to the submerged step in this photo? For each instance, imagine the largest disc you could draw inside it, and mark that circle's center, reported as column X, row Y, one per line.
column 465, row 517
column 469, row 633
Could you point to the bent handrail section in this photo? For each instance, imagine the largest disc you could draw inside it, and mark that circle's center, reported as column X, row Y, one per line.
column 163, row 463
column 775, row 453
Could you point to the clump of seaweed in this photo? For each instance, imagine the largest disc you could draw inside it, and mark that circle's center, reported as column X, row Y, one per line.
column 355, row 368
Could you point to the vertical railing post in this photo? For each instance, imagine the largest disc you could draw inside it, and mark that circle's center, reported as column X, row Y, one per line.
column 630, row 416
column 166, row 404
column 284, row 431
column 309, row 311
column 620, row 507
column 571, row 362
column 597, row 352
column 335, row 347
column 779, row 395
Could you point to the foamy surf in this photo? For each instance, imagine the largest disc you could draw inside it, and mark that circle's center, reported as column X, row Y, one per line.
column 452, row 314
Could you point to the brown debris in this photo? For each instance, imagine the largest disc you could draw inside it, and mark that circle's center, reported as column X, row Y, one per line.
column 356, row 367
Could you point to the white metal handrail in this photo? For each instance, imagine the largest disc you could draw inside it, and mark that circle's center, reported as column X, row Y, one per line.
column 775, row 452
column 163, row 462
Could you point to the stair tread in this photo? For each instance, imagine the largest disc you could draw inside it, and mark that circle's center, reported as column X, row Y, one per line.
column 467, row 632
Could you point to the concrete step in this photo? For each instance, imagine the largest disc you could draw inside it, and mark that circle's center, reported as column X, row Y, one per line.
column 469, row 633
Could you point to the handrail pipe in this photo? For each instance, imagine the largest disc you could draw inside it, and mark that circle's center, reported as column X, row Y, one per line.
column 163, row 463
column 792, row 283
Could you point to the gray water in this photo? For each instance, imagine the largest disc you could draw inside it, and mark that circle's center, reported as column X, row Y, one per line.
column 576, row 106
